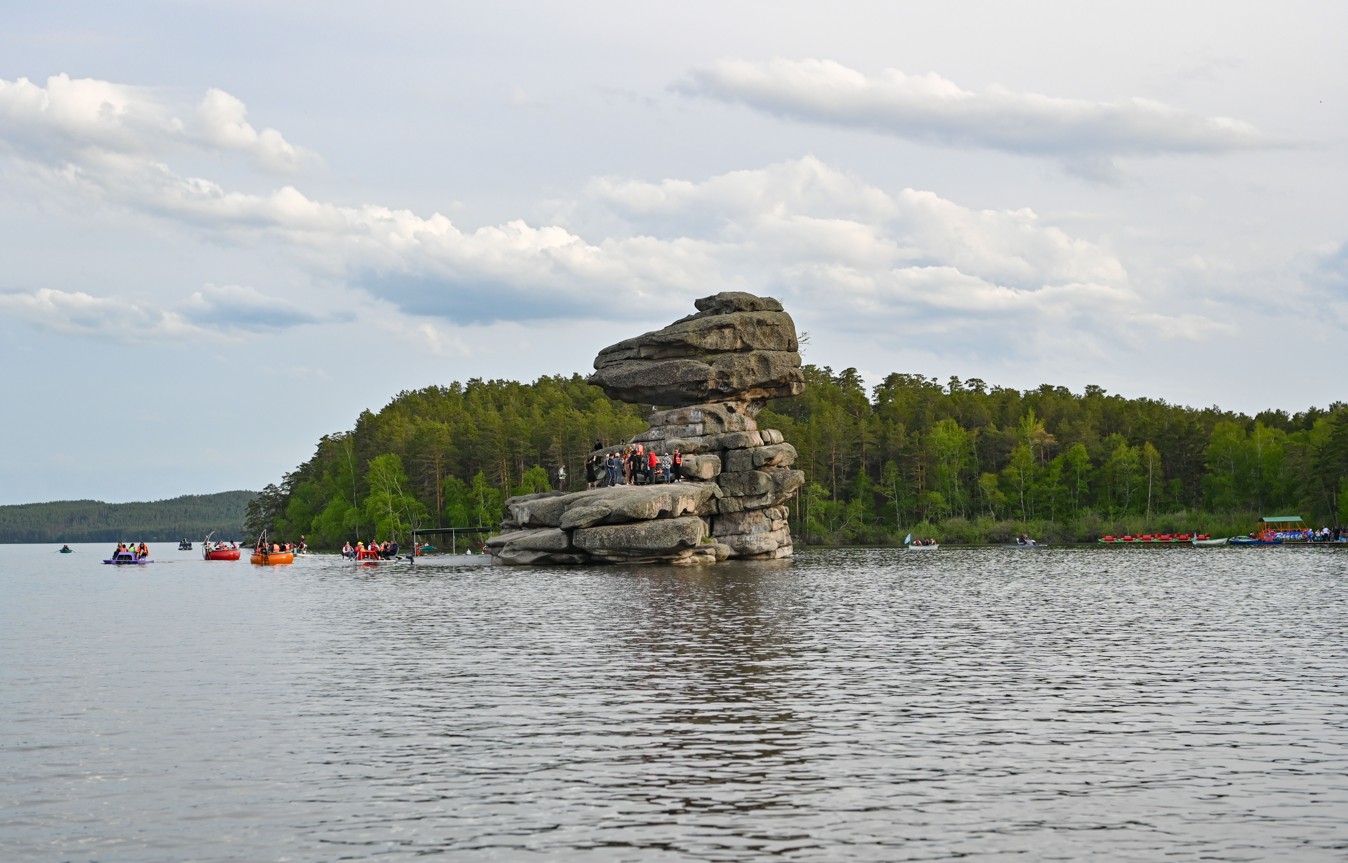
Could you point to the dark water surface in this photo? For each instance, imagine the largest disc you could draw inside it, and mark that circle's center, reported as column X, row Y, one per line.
column 991, row 704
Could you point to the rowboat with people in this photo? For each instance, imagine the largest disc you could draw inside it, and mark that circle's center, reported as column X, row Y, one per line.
column 920, row 544
column 271, row 554
column 129, row 555
column 219, row 550
column 267, row 557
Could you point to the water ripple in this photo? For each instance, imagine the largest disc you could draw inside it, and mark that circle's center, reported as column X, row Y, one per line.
column 861, row 704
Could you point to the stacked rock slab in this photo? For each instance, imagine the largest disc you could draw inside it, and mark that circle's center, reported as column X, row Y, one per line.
column 712, row 372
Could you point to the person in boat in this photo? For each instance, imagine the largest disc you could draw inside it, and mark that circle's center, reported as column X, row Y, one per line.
column 1024, row 539
column 142, row 551
column 65, row 548
column 347, row 550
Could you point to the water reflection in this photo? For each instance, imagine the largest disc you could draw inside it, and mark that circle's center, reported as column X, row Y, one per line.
column 859, row 704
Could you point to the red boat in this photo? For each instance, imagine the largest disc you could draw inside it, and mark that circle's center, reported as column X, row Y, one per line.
column 218, row 550
column 1152, row 539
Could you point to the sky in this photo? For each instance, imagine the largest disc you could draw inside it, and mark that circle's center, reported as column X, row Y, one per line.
column 227, row 228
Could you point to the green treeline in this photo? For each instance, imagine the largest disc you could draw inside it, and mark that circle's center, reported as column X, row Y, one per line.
column 968, row 462
column 190, row 516
column 442, row 457
column 959, row 462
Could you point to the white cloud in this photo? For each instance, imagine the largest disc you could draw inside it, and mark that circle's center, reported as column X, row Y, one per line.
column 107, row 318
column 842, row 250
column 72, row 122
column 238, row 307
column 931, row 109
column 226, row 313
column 224, row 124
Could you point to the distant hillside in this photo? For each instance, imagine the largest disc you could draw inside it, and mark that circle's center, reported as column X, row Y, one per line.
column 191, row 516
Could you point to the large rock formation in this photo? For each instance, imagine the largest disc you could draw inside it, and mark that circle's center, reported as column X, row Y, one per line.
column 738, row 347
column 711, row 372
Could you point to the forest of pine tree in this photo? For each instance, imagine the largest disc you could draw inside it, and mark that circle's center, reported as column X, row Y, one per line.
column 961, row 461
column 190, row 517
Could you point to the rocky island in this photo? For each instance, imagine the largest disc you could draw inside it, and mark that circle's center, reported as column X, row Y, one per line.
column 708, row 375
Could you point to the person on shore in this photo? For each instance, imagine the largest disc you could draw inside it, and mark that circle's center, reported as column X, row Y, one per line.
column 561, row 477
column 676, row 465
column 652, row 465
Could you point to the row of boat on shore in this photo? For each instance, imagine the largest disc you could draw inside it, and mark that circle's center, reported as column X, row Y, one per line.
column 1274, row 530
column 1271, row 530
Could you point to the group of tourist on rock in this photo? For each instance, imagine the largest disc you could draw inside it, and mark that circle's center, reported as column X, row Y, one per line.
column 386, row 550
column 634, row 465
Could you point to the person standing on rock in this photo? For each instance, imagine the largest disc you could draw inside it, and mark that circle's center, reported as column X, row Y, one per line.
column 676, row 466
column 561, row 477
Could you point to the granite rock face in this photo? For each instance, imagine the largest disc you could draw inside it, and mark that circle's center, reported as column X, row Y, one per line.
column 738, row 347
column 713, row 371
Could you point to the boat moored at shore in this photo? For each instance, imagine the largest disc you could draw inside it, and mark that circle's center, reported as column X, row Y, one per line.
column 1161, row 539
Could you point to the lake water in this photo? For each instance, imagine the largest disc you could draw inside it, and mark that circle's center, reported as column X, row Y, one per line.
column 984, row 704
